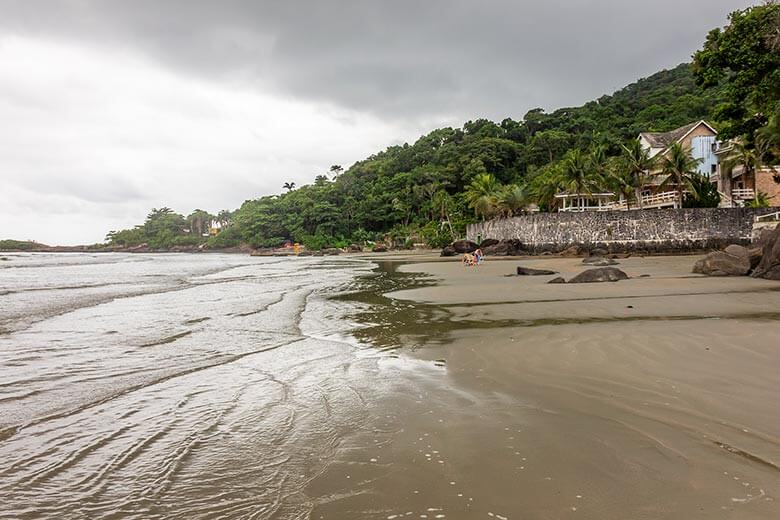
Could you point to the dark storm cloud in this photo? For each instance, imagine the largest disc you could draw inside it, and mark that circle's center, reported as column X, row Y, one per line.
column 396, row 59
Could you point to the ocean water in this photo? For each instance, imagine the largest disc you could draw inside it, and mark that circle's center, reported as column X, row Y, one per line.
column 174, row 386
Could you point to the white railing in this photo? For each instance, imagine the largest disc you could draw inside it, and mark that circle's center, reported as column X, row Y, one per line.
column 578, row 209
column 649, row 201
column 768, row 217
column 743, row 194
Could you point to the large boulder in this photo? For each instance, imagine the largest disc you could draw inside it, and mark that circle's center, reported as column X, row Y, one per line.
column 498, row 249
column 599, row 261
column 528, row 271
column 601, row 274
column 488, row 242
column 769, row 265
column 557, row 279
column 571, row 251
column 504, row 248
column 464, row 246
column 733, row 261
column 448, row 251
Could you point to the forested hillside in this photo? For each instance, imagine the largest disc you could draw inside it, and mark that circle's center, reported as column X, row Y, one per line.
column 431, row 189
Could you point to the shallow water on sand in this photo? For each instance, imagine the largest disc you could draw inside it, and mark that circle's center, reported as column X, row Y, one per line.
column 176, row 386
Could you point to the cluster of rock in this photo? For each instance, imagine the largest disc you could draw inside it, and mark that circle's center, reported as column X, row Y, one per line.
column 760, row 260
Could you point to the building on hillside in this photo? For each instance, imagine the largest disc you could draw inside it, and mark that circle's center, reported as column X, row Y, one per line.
column 739, row 184
column 215, row 228
column 698, row 137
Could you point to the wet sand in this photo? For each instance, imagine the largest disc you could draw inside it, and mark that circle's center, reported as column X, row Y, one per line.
column 655, row 397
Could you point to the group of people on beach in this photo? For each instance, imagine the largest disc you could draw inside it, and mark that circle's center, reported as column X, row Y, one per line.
column 473, row 259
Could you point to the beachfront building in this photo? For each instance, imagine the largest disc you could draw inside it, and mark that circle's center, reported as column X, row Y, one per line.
column 739, row 184
column 577, row 202
column 699, row 137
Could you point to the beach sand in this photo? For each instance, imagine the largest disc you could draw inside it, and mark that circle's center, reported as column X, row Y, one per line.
column 655, row 397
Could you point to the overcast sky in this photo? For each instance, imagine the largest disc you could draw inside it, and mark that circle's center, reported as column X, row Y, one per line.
column 111, row 107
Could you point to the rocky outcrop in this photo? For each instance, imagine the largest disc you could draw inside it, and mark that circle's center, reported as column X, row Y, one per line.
column 488, row 242
column 464, row 246
column 769, row 265
column 448, row 251
column 601, row 274
column 571, row 251
column 599, row 261
column 504, row 248
column 732, row 261
column 528, row 271
column 557, row 279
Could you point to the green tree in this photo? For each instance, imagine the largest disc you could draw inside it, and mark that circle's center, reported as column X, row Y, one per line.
column 743, row 57
column 481, row 195
column 199, row 222
column 638, row 162
column 761, row 201
column 578, row 175
column 511, row 200
column 680, row 169
column 702, row 193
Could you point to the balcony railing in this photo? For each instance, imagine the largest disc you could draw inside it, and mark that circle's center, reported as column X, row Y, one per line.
column 650, row 201
column 743, row 194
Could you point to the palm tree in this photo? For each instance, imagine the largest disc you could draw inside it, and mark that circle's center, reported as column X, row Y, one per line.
column 639, row 164
column 621, row 181
column 702, row 193
column 578, row 174
column 680, row 169
column 289, row 186
column 761, row 201
column 482, row 193
column 511, row 200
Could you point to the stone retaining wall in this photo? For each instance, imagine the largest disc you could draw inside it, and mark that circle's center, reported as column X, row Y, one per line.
column 660, row 230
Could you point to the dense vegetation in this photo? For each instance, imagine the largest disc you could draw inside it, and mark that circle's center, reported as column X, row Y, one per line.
column 17, row 245
column 431, row 189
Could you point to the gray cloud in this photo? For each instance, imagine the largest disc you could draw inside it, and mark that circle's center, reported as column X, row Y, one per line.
column 435, row 59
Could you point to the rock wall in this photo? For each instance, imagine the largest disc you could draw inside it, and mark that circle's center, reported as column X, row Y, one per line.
column 661, row 230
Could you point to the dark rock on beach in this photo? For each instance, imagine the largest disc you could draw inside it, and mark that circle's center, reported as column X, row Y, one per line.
column 769, row 265
column 464, row 246
column 488, row 242
column 331, row 251
column 448, row 251
column 528, row 271
column 571, row 251
column 601, row 274
column 380, row 248
column 599, row 261
column 733, row 261
column 504, row 248
column 557, row 279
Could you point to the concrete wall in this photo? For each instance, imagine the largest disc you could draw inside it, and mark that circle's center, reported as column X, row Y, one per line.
column 662, row 230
